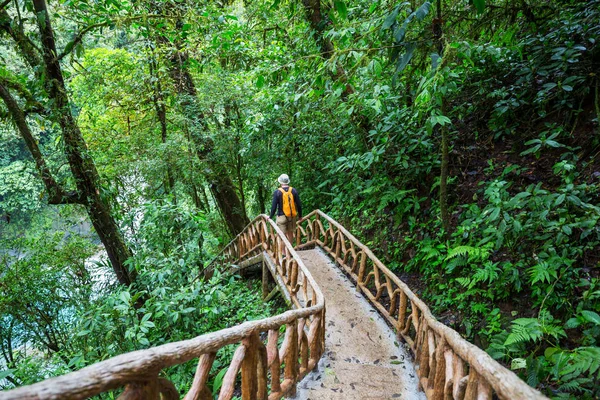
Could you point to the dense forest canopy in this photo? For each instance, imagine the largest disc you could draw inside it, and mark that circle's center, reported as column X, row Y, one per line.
column 459, row 139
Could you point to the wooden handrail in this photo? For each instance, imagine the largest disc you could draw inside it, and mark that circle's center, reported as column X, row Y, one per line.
column 260, row 363
column 448, row 366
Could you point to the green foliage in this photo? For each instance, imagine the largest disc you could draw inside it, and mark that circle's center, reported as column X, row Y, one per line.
column 352, row 109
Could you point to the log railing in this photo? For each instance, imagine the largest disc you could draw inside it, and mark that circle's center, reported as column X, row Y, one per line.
column 268, row 370
column 448, row 366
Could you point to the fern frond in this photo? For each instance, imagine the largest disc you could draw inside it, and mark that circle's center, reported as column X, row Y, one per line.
column 430, row 252
column 524, row 330
column 488, row 273
column 472, row 253
column 541, row 272
column 464, row 281
column 456, row 262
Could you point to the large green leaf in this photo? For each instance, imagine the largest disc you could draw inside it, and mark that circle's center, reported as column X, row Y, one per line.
column 591, row 316
column 391, row 19
column 260, row 82
column 406, row 57
column 423, row 10
column 341, row 8
column 6, row 372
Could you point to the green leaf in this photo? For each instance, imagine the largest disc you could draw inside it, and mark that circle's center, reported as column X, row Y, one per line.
column 495, row 213
column 423, row 10
column 559, row 200
column 435, row 60
column 591, row 316
column 340, row 6
column 79, row 50
column 553, row 143
column 391, row 19
column 69, row 47
column 406, row 57
column 125, row 297
column 479, row 5
column 275, row 5
column 550, row 351
column 218, row 382
column 6, row 372
column 260, row 82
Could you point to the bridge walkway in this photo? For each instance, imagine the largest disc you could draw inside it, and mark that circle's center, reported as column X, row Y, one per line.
column 363, row 359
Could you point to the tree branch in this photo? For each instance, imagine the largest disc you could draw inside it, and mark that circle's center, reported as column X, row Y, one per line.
column 35, row 106
column 4, row 4
column 79, row 37
column 30, row 51
column 56, row 194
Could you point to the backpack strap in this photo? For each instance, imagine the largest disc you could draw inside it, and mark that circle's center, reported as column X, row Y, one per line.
column 284, row 192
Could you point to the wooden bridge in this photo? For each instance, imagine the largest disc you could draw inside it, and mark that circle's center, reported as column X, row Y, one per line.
column 443, row 365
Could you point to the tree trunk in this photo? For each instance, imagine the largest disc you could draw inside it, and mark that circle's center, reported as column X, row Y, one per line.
column 228, row 202
column 220, row 183
column 81, row 164
column 261, row 197
column 161, row 113
column 56, row 194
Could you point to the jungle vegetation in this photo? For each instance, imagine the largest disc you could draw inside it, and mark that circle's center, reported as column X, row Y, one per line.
column 458, row 139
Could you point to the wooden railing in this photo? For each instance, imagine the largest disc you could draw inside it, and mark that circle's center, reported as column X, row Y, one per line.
column 268, row 370
column 448, row 366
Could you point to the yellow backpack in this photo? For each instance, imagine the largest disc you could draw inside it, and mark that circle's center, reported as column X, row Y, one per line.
column 289, row 207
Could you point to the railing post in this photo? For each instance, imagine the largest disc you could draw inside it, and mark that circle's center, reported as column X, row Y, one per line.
column 249, row 367
column 261, row 372
column 361, row 270
column 291, row 358
column 273, row 361
column 402, row 312
column 338, row 246
column 199, row 390
column 228, row 386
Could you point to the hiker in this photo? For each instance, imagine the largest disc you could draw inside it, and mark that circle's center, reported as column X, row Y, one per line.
column 286, row 202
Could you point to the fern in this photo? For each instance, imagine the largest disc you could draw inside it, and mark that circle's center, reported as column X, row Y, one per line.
column 524, row 330
column 430, row 252
column 583, row 360
column 464, row 281
column 541, row 272
column 473, row 253
column 456, row 262
column 488, row 273
column 574, row 386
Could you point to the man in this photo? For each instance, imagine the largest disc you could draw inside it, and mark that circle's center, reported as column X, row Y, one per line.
column 287, row 204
